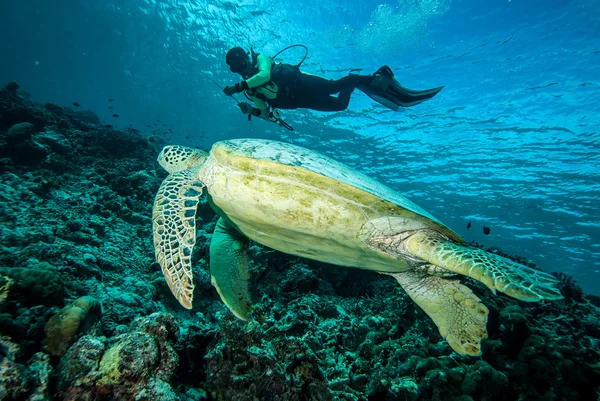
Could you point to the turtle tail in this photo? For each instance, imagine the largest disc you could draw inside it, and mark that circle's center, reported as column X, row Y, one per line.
column 495, row 271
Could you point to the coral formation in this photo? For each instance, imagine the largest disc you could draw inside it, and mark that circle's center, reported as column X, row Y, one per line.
column 569, row 288
column 5, row 284
column 75, row 221
column 30, row 381
column 138, row 364
column 74, row 319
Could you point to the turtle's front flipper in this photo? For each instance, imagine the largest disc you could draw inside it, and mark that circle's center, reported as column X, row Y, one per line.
column 458, row 313
column 496, row 272
column 229, row 268
column 173, row 223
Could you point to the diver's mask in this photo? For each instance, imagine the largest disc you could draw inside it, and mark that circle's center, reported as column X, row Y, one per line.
column 237, row 59
column 239, row 67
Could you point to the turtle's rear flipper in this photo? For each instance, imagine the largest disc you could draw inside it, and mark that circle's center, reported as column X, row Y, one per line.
column 457, row 312
column 229, row 268
column 496, row 272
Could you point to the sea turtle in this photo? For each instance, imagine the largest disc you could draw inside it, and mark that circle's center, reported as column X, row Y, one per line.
column 302, row 203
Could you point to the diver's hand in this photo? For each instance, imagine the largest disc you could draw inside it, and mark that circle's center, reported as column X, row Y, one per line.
column 246, row 108
column 231, row 90
column 237, row 88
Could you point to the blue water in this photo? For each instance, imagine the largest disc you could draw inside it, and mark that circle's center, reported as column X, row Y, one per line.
column 511, row 143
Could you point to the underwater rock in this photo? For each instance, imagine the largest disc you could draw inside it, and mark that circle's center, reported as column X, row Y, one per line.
column 37, row 285
column 194, row 394
column 20, row 132
column 122, row 307
column 78, row 369
column 54, row 141
column 135, row 365
column 25, row 146
column 19, row 382
column 12, row 88
column 15, row 109
column 164, row 330
column 40, row 372
column 405, row 388
column 74, row 319
column 20, row 146
column 87, row 116
column 13, row 383
column 130, row 360
column 484, row 378
column 569, row 287
column 5, row 284
column 26, row 324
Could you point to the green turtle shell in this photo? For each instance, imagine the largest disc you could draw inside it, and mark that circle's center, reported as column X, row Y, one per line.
column 299, row 157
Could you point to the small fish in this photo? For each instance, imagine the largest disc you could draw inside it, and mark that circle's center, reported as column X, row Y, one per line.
column 187, row 137
column 108, row 126
column 76, row 104
column 486, row 230
column 147, row 125
column 115, row 115
column 110, row 107
column 110, row 100
column 468, row 225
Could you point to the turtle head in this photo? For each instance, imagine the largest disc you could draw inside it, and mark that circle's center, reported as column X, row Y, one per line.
column 176, row 158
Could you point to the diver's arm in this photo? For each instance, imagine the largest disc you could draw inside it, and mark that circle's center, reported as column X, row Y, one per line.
column 262, row 108
column 263, row 111
column 263, row 75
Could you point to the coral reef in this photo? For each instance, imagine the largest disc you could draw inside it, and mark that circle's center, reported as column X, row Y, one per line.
column 30, row 381
column 75, row 207
column 76, row 318
column 138, row 364
column 5, row 284
column 569, row 288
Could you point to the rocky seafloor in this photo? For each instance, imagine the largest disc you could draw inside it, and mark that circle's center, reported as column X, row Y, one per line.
column 85, row 313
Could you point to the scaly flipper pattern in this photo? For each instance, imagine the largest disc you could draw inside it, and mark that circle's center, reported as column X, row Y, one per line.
column 496, row 272
column 173, row 223
column 229, row 268
column 458, row 313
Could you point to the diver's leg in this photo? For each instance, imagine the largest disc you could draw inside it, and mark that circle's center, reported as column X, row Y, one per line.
column 324, row 86
column 322, row 102
column 344, row 97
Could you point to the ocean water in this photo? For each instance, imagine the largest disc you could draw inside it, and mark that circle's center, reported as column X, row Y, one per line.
column 512, row 142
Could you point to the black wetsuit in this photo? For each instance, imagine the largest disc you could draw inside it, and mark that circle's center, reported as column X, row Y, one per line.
column 284, row 86
column 314, row 92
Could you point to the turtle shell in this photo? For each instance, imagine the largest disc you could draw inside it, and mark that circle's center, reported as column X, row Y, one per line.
column 302, row 158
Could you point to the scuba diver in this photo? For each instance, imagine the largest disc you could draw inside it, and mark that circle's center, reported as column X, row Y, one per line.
column 272, row 85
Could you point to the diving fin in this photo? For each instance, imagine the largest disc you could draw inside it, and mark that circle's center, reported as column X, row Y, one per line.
column 380, row 97
column 387, row 91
